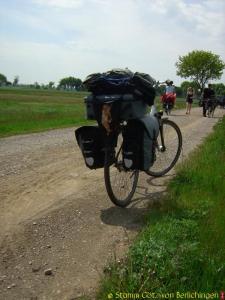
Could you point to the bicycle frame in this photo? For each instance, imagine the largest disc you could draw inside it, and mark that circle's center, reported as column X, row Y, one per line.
column 110, row 144
column 162, row 148
column 158, row 116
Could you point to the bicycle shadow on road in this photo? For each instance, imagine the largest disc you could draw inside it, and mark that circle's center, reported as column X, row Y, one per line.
column 160, row 181
column 133, row 216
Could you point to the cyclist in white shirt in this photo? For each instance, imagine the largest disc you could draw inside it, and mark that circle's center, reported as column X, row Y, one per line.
column 170, row 87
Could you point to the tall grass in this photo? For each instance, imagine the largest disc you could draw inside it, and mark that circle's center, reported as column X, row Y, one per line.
column 24, row 111
column 182, row 248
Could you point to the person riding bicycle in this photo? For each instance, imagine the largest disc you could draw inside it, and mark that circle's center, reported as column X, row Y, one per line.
column 208, row 96
column 169, row 96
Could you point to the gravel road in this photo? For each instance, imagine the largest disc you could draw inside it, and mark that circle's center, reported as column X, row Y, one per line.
column 58, row 229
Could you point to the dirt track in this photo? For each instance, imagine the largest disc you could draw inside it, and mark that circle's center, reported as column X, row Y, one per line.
column 55, row 213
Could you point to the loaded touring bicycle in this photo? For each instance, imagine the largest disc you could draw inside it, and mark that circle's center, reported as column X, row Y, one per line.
column 126, row 140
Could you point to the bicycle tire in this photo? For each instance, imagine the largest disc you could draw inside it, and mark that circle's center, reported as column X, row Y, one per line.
column 158, row 170
column 120, row 192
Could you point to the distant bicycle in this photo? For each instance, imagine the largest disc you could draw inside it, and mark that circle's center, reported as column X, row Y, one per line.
column 168, row 101
column 211, row 104
column 168, row 106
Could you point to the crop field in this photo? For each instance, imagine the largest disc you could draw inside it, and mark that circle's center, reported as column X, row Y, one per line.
column 26, row 110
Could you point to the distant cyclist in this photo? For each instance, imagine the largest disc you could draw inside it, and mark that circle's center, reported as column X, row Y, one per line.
column 169, row 97
column 208, row 96
column 170, row 89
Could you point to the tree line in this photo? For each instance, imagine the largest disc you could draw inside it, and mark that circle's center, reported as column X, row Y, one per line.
column 199, row 66
column 67, row 83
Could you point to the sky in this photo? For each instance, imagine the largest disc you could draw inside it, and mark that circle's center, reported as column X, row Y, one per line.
column 47, row 40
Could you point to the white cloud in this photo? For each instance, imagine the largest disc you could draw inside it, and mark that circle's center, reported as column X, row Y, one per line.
column 60, row 3
column 206, row 18
column 96, row 35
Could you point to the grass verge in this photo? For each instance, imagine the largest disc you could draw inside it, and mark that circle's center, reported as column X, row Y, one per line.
column 182, row 247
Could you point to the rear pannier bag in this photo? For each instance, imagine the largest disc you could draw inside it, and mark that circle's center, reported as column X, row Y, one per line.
column 123, row 107
column 139, row 139
column 90, row 139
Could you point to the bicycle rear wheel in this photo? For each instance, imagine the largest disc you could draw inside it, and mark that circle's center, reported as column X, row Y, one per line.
column 120, row 183
column 168, row 148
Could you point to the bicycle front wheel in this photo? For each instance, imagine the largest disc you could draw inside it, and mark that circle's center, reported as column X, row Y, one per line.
column 120, row 183
column 168, row 148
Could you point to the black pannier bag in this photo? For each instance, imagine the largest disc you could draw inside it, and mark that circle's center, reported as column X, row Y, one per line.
column 139, row 140
column 91, row 139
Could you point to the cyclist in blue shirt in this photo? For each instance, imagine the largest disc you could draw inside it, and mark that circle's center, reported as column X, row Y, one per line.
column 170, row 87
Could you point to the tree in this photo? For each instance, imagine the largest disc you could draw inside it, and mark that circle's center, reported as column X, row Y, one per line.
column 200, row 66
column 16, row 80
column 37, row 85
column 219, row 89
column 160, row 90
column 51, row 84
column 70, row 83
column 178, row 91
column 3, row 79
column 186, row 84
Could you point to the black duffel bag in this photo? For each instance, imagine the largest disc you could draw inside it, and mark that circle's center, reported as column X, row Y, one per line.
column 144, row 86
column 119, row 81
column 139, row 140
column 116, row 81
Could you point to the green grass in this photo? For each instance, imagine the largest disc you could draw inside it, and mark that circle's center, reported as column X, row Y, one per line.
column 31, row 110
column 24, row 111
column 182, row 247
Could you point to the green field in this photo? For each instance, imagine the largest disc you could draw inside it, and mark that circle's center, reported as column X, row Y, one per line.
column 181, row 248
column 24, row 111
column 27, row 110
